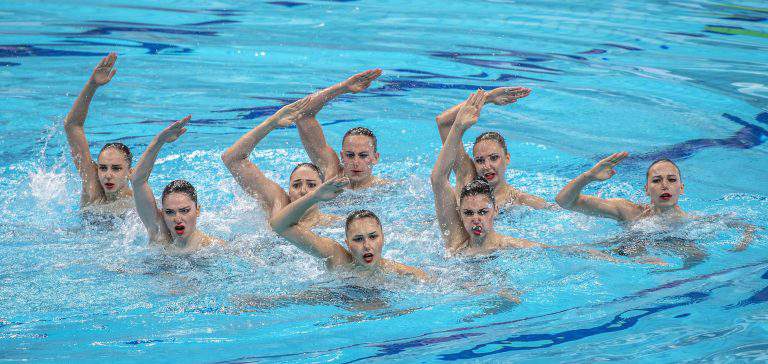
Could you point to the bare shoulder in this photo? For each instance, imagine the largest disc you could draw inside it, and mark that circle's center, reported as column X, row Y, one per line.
column 518, row 197
column 211, row 240
column 628, row 210
column 517, row 243
column 402, row 269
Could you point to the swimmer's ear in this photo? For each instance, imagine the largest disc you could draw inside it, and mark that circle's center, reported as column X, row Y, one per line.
column 682, row 188
column 507, row 157
column 375, row 158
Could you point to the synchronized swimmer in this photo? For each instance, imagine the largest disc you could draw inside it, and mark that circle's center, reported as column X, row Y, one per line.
column 465, row 215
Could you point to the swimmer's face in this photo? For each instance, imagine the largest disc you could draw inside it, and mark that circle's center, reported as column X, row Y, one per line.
column 490, row 161
column 663, row 185
column 358, row 157
column 303, row 181
column 113, row 170
column 365, row 240
column 180, row 215
column 477, row 214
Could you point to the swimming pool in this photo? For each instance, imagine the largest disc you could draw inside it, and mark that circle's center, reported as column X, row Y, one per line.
column 686, row 80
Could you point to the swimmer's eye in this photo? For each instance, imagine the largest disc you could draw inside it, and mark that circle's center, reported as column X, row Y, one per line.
column 672, row 179
column 372, row 236
column 656, row 180
column 482, row 212
column 169, row 212
column 494, row 158
column 479, row 160
column 117, row 168
column 102, row 168
column 296, row 185
column 357, row 239
column 363, row 155
column 312, row 185
column 468, row 212
column 349, row 155
column 184, row 210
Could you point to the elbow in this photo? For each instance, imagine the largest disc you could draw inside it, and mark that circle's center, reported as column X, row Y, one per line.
column 228, row 158
column 563, row 202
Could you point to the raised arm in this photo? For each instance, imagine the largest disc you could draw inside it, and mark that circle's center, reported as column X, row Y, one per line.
column 286, row 224
column 465, row 169
column 310, row 131
column 142, row 194
column 73, row 127
column 246, row 173
column 446, row 204
column 571, row 198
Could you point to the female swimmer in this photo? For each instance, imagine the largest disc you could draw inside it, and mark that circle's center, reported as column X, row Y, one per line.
column 491, row 156
column 363, row 231
column 358, row 146
column 306, row 177
column 175, row 224
column 663, row 184
column 104, row 182
column 468, row 222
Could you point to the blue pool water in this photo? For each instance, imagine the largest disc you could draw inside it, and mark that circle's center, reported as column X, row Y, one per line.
column 684, row 80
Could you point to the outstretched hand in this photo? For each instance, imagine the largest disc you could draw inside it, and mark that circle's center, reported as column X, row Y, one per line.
column 288, row 114
column 331, row 188
column 470, row 110
column 507, row 95
column 362, row 80
column 603, row 170
column 104, row 72
column 174, row 131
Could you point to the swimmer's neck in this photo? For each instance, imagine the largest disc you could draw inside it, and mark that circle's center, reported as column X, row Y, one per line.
column 365, row 183
column 484, row 241
column 192, row 242
column 124, row 192
column 671, row 211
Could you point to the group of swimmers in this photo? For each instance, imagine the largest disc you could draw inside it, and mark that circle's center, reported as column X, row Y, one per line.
column 465, row 213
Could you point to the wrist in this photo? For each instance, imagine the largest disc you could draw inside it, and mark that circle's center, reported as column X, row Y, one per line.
column 587, row 177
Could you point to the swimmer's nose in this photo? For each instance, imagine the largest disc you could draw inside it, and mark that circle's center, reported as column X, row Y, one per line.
column 303, row 190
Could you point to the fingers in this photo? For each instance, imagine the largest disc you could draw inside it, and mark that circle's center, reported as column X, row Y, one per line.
column 614, row 158
column 111, row 74
column 184, row 121
column 111, row 58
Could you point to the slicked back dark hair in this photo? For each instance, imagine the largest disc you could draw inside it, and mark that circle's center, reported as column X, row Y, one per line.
column 360, row 214
column 494, row 136
column 313, row 167
column 648, row 172
column 180, row 186
column 360, row 131
column 120, row 147
column 478, row 186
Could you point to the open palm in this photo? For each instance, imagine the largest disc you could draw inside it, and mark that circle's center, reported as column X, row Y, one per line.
column 288, row 114
column 603, row 170
column 470, row 110
column 362, row 80
column 104, row 71
column 332, row 188
column 507, row 95
column 175, row 130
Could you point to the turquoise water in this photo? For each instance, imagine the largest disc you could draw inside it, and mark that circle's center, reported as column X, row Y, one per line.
column 686, row 80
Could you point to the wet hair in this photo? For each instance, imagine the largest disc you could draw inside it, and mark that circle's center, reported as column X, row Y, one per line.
column 180, row 186
column 360, row 131
column 311, row 166
column 478, row 186
column 494, row 136
column 648, row 172
column 360, row 214
column 121, row 147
